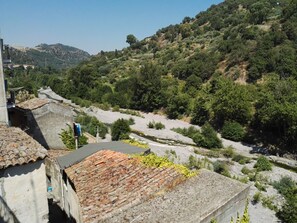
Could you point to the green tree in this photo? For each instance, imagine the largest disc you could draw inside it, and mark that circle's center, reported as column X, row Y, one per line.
column 131, row 39
column 193, row 84
column 200, row 112
column 276, row 111
column 233, row 130
column 259, row 12
column 207, row 138
column 147, row 93
column 177, row 106
column 231, row 102
column 120, row 130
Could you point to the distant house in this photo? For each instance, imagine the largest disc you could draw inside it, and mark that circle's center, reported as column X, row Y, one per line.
column 103, row 184
column 43, row 120
column 23, row 192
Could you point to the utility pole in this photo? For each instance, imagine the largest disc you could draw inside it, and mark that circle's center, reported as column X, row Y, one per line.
column 3, row 102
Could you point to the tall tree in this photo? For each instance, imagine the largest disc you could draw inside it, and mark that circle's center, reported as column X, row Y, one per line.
column 147, row 94
column 131, row 39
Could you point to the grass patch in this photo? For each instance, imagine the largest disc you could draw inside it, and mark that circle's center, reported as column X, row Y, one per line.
column 241, row 159
column 222, row 168
column 257, row 197
column 196, row 163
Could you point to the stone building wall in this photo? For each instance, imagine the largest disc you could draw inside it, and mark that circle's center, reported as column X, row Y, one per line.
column 23, row 188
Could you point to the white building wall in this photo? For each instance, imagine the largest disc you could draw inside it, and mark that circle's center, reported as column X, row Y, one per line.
column 24, row 190
column 71, row 202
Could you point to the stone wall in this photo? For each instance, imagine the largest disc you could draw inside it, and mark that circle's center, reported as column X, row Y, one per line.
column 23, row 188
column 63, row 193
column 55, row 181
column 47, row 122
column 230, row 209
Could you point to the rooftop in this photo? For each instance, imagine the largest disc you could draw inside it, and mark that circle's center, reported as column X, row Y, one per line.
column 193, row 201
column 33, row 103
column 17, row 147
column 108, row 181
column 89, row 149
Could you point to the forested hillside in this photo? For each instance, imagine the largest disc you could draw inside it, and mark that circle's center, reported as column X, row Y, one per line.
column 55, row 56
column 232, row 65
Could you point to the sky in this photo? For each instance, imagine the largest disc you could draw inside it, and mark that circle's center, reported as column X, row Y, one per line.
column 90, row 25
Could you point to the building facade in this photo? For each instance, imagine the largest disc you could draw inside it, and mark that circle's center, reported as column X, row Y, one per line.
column 23, row 188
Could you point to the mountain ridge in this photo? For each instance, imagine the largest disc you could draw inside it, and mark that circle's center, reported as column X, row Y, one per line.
column 56, row 56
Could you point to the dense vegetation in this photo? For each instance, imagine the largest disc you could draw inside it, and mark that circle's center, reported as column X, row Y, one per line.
column 55, row 56
column 234, row 63
column 288, row 188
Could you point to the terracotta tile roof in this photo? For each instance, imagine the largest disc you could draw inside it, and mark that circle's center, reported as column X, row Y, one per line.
column 33, row 103
column 17, row 148
column 108, row 181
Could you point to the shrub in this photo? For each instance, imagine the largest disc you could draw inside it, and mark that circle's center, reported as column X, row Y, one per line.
column 171, row 155
column 252, row 176
column 189, row 132
column 213, row 154
column 207, row 137
column 288, row 213
column 285, row 185
column 194, row 163
column 221, row 168
column 228, row 152
column 67, row 138
column 241, row 159
column 133, row 142
column 151, row 125
column 116, row 108
column 263, row 164
column 90, row 125
column 211, row 139
column 157, row 125
column 199, row 139
column 153, row 160
column 233, row 130
column 246, row 170
column 267, row 202
column 257, row 197
column 120, row 130
column 244, row 180
column 131, row 121
column 260, row 186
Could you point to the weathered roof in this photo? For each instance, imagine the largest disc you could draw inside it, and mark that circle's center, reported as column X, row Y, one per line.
column 33, row 103
column 108, row 181
column 196, row 200
column 87, row 150
column 17, row 148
